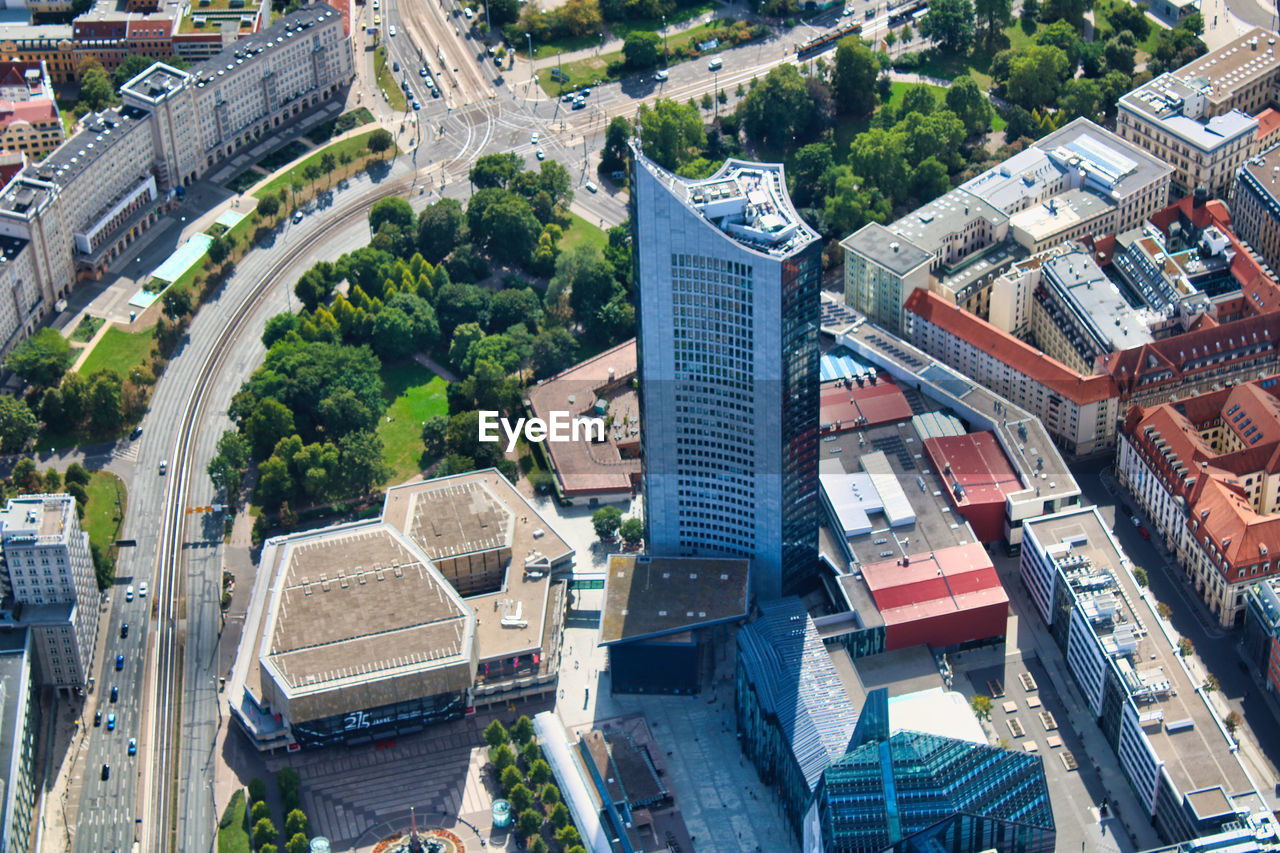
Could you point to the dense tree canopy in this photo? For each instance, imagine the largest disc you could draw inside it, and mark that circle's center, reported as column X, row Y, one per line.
column 42, row 358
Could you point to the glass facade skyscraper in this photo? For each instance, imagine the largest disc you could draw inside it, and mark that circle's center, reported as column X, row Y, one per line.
column 727, row 280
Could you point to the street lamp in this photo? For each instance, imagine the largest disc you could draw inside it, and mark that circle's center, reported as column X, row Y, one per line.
column 716, row 95
column 664, row 41
column 529, row 36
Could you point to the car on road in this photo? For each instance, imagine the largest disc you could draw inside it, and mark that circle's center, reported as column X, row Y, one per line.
column 111, row 722
column 377, row 20
column 1144, row 533
column 124, row 630
column 97, row 719
column 435, row 93
column 661, row 76
column 395, row 66
column 128, row 593
column 533, row 139
column 297, row 217
column 391, row 31
column 164, row 466
column 422, row 72
column 846, row 12
column 584, row 93
column 542, row 155
column 579, row 104
column 591, row 187
column 1137, row 522
column 115, row 693
column 142, row 589
column 466, row 10
column 375, row 4
column 497, row 62
column 106, row 772
column 416, row 105
column 119, row 662
column 133, row 746
column 715, row 64
column 136, row 434
column 870, row 13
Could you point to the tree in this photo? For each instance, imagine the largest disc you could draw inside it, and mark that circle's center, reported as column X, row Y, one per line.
column 18, row 425
column 268, row 848
column 510, row 777
column 538, row 845
column 1071, row 11
column 96, row 91
column 853, row 80
column 259, row 811
column 52, row 481
column 606, row 521
column 1063, row 36
column 502, row 12
column 495, row 734
column 632, row 531
column 433, row 430
column 219, row 250
column 970, row 104
column 809, row 174
column 1163, row 610
column 588, row 278
column 549, row 795
column 298, row 843
column 328, row 163
column 257, row 788
column 1185, row 648
column 361, row 465
column 671, row 134
column 380, row 140
column 981, row 706
column 24, row 476
column 177, row 302
column 780, row 108
column 949, row 23
column 514, row 305
column 289, row 784
column 522, row 730
column 559, row 816
column 268, row 206
column 530, row 753
column 520, row 796
column 76, row 473
column 105, row 388
column 42, row 358
column 440, row 229
column 1120, row 52
column 1232, row 722
column 510, row 229
column 995, row 15
column 501, row 757
column 495, row 171
column 617, row 145
column 539, row 772
column 641, row 50
column 279, row 326
column 554, row 350
column 1140, row 575
column 529, row 822
column 1210, row 683
column 271, row 421
column 463, row 338
column 877, row 154
column 890, row 39
column 1035, row 75
column 392, row 209
column 264, row 832
column 568, row 836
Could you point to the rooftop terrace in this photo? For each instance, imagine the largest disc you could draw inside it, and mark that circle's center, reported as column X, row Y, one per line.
column 648, row 596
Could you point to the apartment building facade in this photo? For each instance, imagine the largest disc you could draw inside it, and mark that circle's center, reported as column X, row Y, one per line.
column 49, row 576
column 29, row 117
column 728, row 369
column 1207, row 471
column 1255, row 205
column 86, row 202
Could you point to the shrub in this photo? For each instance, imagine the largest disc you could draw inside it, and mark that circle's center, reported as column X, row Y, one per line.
column 257, row 788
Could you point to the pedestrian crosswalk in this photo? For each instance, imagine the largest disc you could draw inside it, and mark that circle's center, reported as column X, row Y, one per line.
column 127, row 451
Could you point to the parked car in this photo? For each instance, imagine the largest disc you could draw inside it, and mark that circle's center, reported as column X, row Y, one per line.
column 97, row 719
column 1144, row 533
column 395, row 66
column 416, row 105
column 591, row 187
column 661, row 76
column 297, row 217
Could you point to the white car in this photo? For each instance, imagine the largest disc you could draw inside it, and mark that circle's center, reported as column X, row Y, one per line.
column 142, row 589
column 128, row 593
column 533, row 140
column 391, row 30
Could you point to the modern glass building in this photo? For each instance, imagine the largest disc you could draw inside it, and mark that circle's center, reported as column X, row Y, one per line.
column 912, row 791
column 728, row 280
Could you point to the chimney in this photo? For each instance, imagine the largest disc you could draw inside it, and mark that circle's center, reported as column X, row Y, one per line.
column 894, row 246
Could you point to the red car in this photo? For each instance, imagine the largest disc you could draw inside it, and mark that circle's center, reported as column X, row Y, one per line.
column 1142, row 531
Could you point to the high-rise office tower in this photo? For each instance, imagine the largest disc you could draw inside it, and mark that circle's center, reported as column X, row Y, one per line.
column 727, row 281
column 49, row 574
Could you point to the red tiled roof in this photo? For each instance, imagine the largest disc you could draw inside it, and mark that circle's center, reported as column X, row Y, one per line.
column 33, row 111
column 1007, row 349
column 1268, row 123
column 1222, row 512
column 1177, row 355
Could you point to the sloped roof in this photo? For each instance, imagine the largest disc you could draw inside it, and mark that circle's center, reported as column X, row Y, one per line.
column 797, row 684
column 1007, row 349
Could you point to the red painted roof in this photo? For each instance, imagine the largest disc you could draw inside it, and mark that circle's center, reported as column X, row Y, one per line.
column 1268, row 123
column 977, row 463
column 947, row 581
column 881, row 403
column 34, row 111
column 1007, row 349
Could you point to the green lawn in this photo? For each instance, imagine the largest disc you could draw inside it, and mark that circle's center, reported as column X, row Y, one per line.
column 413, row 394
column 232, row 836
column 1102, row 17
column 101, row 517
column 353, row 145
column 387, row 81
column 582, row 232
column 898, row 91
column 620, row 29
column 120, row 351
